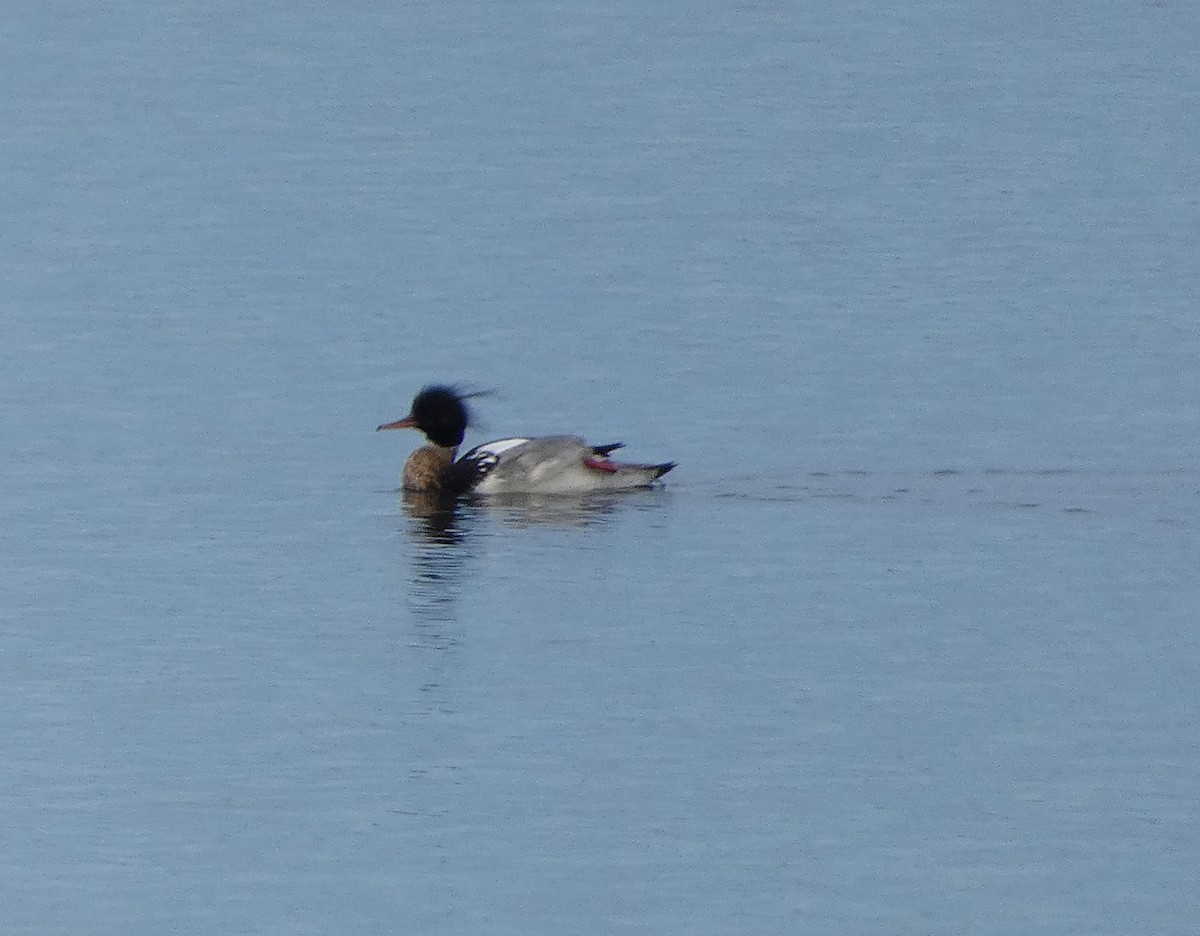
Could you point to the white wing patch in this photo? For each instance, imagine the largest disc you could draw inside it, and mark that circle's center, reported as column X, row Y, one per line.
column 495, row 449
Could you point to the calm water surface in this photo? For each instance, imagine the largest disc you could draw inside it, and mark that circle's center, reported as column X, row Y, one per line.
column 906, row 644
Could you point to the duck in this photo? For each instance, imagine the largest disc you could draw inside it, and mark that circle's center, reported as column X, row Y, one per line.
column 557, row 464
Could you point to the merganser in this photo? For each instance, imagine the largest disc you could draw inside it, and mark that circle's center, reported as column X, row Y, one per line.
column 548, row 465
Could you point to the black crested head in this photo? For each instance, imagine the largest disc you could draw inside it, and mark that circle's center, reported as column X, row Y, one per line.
column 441, row 413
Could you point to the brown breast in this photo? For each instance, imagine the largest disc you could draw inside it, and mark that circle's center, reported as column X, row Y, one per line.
column 425, row 468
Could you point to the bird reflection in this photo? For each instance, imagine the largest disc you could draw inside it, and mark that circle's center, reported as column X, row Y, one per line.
column 446, row 520
column 434, row 517
column 443, row 528
column 438, row 528
column 563, row 511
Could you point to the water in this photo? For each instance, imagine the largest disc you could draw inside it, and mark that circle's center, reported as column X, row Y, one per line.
column 906, row 644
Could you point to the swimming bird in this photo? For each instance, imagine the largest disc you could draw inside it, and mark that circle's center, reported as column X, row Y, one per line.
column 558, row 464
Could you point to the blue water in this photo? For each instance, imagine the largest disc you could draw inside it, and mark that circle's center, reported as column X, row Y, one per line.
column 906, row 644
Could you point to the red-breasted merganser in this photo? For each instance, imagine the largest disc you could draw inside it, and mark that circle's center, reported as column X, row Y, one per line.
column 549, row 465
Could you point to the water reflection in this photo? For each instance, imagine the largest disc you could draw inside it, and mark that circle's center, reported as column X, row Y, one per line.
column 434, row 518
column 438, row 531
column 443, row 529
column 444, row 520
column 564, row 511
